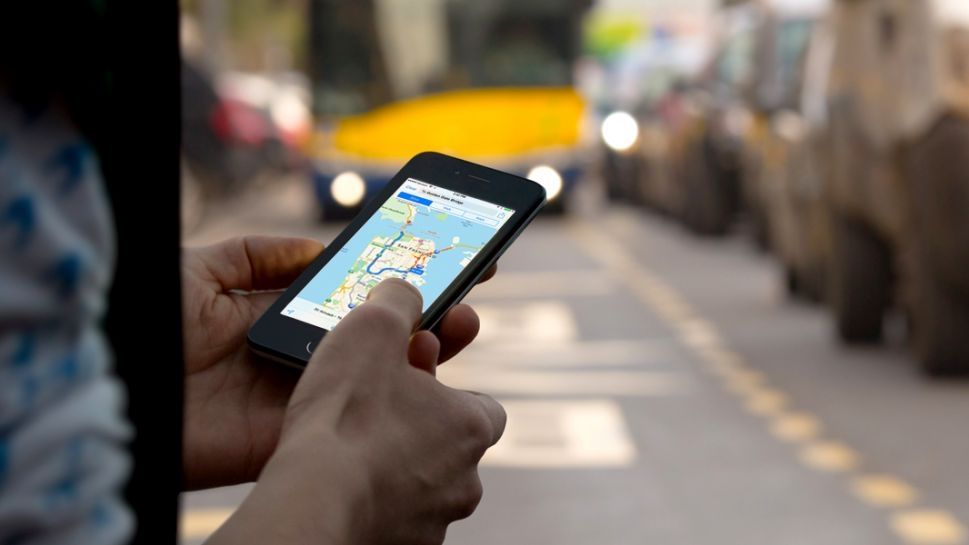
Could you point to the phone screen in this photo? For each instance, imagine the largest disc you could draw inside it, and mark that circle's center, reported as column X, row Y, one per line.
column 424, row 234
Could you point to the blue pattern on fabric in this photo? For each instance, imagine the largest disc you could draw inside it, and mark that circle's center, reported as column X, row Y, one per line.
column 101, row 516
column 66, row 275
column 65, row 489
column 55, row 239
column 71, row 159
column 25, row 350
column 22, row 216
column 68, row 368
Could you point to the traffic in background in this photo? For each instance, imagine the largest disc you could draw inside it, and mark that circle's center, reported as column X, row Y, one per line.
column 744, row 316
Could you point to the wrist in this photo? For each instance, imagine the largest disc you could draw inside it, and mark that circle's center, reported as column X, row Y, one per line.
column 302, row 497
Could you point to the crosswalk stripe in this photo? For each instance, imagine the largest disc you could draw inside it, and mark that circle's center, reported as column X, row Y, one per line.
column 200, row 523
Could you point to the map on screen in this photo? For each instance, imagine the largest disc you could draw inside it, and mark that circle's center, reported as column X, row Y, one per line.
column 423, row 234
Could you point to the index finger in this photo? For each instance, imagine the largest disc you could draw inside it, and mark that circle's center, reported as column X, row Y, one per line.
column 373, row 333
column 398, row 296
column 384, row 322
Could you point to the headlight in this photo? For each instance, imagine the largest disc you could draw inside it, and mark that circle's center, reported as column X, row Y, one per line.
column 738, row 121
column 620, row 131
column 790, row 126
column 348, row 189
column 290, row 113
column 549, row 178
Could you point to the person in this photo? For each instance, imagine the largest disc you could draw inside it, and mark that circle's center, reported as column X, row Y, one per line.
column 364, row 446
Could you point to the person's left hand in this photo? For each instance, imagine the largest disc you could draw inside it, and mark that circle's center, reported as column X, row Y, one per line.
column 235, row 401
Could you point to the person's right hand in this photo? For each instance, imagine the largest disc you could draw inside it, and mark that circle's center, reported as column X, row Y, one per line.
column 373, row 449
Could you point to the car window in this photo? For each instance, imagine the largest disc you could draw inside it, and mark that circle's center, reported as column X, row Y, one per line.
column 736, row 62
column 792, row 41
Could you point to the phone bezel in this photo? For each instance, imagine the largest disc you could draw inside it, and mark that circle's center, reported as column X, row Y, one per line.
column 291, row 341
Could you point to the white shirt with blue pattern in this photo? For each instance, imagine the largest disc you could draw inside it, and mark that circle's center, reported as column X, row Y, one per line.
column 63, row 458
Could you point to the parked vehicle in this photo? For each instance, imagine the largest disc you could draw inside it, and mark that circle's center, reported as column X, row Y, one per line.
column 629, row 131
column 227, row 143
column 898, row 194
column 709, row 143
column 794, row 170
column 498, row 90
column 283, row 100
column 783, row 34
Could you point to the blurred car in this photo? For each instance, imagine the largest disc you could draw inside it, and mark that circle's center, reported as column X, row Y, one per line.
column 503, row 95
column 657, row 66
column 227, row 143
column 783, row 36
column 529, row 132
column 898, row 194
column 794, row 169
column 283, row 100
column 709, row 142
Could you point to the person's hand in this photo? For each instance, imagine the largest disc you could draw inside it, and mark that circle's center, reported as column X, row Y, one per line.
column 374, row 450
column 234, row 401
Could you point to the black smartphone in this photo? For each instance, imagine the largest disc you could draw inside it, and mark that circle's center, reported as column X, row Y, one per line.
column 439, row 224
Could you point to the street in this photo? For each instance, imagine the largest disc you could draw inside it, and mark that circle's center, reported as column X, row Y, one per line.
column 661, row 389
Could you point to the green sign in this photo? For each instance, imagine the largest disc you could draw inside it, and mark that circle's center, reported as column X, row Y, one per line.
column 607, row 34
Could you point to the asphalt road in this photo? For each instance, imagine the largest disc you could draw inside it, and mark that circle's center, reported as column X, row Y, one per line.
column 661, row 389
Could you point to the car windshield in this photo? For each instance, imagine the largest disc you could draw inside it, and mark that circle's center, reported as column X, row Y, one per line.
column 792, row 41
column 736, row 62
column 368, row 54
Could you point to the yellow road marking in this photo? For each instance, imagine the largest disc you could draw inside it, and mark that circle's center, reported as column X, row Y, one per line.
column 829, row 456
column 766, row 402
column 928, row 527
column 201, row 523
column 697, row 332
column 916, row 527
column 745, row 382
column 884, row 491
column 795, row 427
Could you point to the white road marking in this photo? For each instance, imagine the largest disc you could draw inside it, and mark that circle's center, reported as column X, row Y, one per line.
column 571, row 353
column 563, row 434
column 538, row 284
column 543, row 322
column 200, row 523
column 615, row 383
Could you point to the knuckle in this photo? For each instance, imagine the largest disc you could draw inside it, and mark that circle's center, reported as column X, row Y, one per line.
column 469, row 497
column 479, row 429
column 498, row 427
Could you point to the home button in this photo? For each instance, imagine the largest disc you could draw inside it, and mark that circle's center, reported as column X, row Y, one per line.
column 311, row 346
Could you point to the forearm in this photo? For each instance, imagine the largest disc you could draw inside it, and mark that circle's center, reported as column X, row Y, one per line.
column 296, row 503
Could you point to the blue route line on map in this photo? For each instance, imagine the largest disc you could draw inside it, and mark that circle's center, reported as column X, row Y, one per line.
column 381, row 253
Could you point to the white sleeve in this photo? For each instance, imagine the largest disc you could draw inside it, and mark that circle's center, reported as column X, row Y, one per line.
column 63, row 457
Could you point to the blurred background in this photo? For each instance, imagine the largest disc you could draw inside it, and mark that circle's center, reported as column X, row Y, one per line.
column 743, row 318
